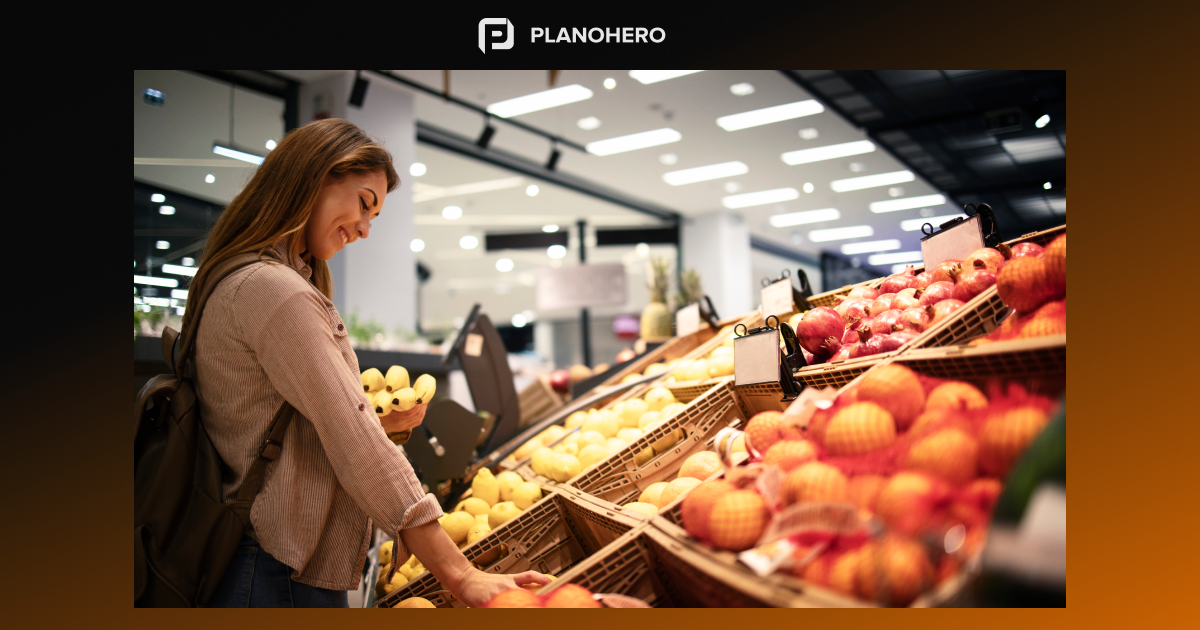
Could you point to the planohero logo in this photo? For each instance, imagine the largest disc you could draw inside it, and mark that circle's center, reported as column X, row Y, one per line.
column 487, row 34
column 490, row 34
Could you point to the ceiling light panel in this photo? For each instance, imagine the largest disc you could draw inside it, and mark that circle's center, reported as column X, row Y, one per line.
column 907, row 203
column 762, row 197
column 866, row 247
column 871, row 181
column 806, row 217
column 891, row 259
column 646, row 77
column 539, row 101
column 842, row 233
column 635, row 141
column 804, row 156
column 705, row 173
column 769, row 115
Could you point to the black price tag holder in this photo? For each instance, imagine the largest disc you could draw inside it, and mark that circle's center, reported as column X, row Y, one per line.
column 709, row 315
column 799, row 298
column 759, row 359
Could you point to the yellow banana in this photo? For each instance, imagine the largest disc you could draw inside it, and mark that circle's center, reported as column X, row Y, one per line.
column 382, row 403
column 372, row 380
column 403, row 399
column 397, row 378
column 425, row 387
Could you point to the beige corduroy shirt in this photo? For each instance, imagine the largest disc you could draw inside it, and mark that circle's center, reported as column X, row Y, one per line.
column 268, row 335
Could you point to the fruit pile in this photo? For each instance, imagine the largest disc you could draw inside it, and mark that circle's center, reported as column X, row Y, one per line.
column 1034, row 284
column 494, row 501
column 391, row 392
column 924, row 456
column 409, row 570
column 566, row 596
column 695, row 469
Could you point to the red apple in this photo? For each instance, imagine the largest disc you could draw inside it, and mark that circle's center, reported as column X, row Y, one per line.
column 560, row 381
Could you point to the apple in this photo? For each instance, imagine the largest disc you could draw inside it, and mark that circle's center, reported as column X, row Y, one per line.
column 626, row 355
column 560, row 381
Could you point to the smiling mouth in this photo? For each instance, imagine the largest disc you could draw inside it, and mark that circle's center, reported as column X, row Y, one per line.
column 342, row 233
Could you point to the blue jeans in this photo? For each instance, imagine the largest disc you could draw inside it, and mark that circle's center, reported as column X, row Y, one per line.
column 254, row 579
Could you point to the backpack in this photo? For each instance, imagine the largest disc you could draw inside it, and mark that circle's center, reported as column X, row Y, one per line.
column 183, row 535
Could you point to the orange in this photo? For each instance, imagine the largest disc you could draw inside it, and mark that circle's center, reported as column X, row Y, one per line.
column 676, row 488
column 859, row 428
column 701, row 465
column 909, row 499
column 767, row 428
column 903, row 566
column 948, row 453
column 956, row 396
column 814, row 481
column 571, row 596
column 737, row 520
column 698, row 504
column 896, row 389
column 515, row 598
column 843, row 574
column 1006, row 435
column 863, row 490
column 788, row 454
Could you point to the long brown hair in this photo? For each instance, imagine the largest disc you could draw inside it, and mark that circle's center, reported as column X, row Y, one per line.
column 280, row 197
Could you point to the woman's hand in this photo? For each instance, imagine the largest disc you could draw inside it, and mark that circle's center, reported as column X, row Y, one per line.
column 398, row 421
column 478, row 588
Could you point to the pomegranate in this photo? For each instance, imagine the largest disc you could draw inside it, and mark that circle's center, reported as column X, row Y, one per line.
column 866, row 293
column 905, row 302
column 898, row 281
column 886, row 323
column 867, row 348
column 1005, row 251
column 855, row 311
column 985, row 256
column 1055, row 257
column 914, row 319
column 1026, row 250
column 971, row 283
column 896, row 340
column 937, row 292
column 1023, row 284
column 942, row 271
column 911, row 292
column 844, row 353
column 831, row 346
column 942, row 310
column 817, row 325
column 852, row 335
column 923, row 279
column 881, row 303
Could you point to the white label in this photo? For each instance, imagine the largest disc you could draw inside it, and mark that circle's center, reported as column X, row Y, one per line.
column 958, row 242
column 777, row 298
column 474, row 345
column 756, row 359
column 581, row 286
column 687, row 320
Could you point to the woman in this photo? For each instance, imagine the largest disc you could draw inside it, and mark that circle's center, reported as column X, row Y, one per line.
column 269, row 334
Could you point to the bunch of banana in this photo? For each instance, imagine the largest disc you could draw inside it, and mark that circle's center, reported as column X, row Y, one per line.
column 391, row 393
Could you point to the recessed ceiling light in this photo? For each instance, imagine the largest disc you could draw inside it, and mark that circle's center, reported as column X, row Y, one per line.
column 468, row 242
column 589, row 123
column 837, row 234
column 179, row 294
column 451, row 212
column 895, row 191
column 634, row 141
column 210, row 178
column 171, row 209
column 531, row 190
column 898, row 257
column 809, row 133
column 907, row 203
column 762, row 197
column 705, row 173
column 867, row 247
column 668, row 158
column 416, row 245
column 188, row 262
column 156, row 282
column 802, row 218
column 549, row 228
column 556, row 251
column 157, row 198
column 871, row 181
column 539, row 101
column 741, row 89
column 162, row 245
column 767, row 115
column 857, row 167
column 732, row 187
column 271, row 145
column 179, row 270
column 610, row 83
column 642, row 250
column 808, row 187
column 504, row 264
column 417, row 169
column 1045, row 186
column 646, row 77
column 829, row 152
column 912, row 225
column 1042, row 121
column 237, row 155
column 519, row 320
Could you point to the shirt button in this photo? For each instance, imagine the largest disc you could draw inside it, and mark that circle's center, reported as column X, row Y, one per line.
column 361, row 406
column 341, row 327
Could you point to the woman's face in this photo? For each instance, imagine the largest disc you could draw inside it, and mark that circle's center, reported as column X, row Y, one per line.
column 343, row 213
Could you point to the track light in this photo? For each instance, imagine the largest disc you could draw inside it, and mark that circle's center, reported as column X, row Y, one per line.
column 485, row 138
column 554, row 155
column 359, row 93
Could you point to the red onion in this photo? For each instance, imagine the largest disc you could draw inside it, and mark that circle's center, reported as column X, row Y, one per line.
column 816, row 326
column 896, row 340
column 905, row 302
column 886, row 322
column 972, row 283
column 937, row 292
column 866, row 293
column 898, row 281
column 942, row 310
column 915, row 319
column 881, row 303
column 942, row 271
column 923, row 279
column 985, row 257
column 1021, row 250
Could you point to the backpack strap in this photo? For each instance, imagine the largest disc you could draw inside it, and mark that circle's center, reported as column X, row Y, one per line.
column 267, row 453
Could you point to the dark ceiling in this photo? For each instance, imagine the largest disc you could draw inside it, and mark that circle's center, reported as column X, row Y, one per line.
column 970, row 133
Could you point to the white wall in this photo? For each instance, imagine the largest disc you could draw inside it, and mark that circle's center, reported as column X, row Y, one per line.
column 717, row 246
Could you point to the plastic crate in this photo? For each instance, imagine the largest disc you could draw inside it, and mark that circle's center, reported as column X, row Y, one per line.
column 830, row 298
column 553, row 535
column 755, row 399
column 537, row 400
column 620, row 478
column 1042, row 238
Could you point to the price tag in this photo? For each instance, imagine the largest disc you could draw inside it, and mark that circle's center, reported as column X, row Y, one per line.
column 756, row 358
column 687, row 320
column 777, row 298
column 474, row 345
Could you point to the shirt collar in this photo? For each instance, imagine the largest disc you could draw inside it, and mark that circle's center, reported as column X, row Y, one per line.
column 296, row 262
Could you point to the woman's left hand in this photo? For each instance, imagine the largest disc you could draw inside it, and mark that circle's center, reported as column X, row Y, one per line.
column 398, row 421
